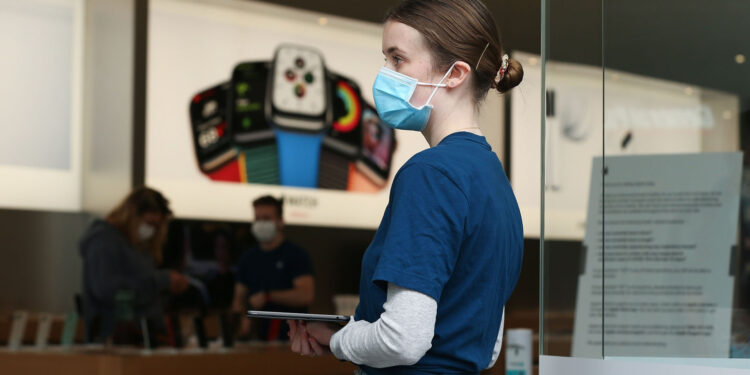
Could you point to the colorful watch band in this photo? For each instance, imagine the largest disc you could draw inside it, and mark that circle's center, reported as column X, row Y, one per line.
column 334, row 170
column 260, row 164
column 299, row 156
column 229, row 172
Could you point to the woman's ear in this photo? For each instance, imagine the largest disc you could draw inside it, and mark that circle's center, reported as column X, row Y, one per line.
column 460, row 74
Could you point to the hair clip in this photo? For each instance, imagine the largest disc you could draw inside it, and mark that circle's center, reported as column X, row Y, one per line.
column 482, row 55
column 503, row 68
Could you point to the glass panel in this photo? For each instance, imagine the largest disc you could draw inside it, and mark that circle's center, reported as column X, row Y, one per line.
column 675, row 271
column 572, row 138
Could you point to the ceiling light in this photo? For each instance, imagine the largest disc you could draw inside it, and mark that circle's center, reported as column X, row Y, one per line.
column 739, row 59
column 322, row 21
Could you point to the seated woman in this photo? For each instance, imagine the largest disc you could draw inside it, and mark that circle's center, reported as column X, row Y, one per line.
column 120, row 256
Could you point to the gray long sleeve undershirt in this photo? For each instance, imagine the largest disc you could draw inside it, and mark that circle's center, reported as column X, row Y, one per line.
column 401, row 336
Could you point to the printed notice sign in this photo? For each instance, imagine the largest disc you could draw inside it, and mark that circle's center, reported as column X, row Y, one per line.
column 661, row 286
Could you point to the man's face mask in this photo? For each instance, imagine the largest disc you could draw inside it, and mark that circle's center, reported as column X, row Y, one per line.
column 264, row 230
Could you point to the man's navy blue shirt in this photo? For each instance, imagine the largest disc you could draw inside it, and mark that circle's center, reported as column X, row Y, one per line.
column 265, row 271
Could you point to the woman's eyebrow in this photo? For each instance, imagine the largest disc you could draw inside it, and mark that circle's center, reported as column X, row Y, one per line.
column 391, row 50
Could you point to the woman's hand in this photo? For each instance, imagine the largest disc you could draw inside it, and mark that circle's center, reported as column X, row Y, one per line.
column 310, row 338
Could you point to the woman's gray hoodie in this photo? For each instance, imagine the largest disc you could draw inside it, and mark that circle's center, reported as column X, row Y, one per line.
column 110, row 265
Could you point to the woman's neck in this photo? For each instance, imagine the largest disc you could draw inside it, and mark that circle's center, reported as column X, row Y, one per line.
column 456, row 119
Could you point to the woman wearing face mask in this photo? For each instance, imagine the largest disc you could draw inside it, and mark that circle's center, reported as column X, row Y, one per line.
column 447, row 254
column 120, row 254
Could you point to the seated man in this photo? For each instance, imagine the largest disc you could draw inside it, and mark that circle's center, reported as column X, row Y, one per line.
column 275, row 275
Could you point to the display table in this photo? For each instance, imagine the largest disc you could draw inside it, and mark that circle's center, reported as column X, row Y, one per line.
column 244, row 359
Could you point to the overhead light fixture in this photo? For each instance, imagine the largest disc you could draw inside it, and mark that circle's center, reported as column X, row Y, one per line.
column 322, row 21
column 739, row 58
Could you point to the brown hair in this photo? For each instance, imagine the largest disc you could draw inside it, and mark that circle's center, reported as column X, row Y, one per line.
column 125, row 218
column 268, row 200
column 460, row 30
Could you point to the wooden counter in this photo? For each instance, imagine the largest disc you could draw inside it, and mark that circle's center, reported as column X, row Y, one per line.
column 250, row 359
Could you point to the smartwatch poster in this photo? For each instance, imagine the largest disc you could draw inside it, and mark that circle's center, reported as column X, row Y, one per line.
column 246, row 99
column 290, row 122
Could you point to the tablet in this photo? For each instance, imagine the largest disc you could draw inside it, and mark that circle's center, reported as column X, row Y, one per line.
column 297, row 316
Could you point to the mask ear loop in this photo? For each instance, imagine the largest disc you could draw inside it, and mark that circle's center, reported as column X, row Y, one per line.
column 440, row 84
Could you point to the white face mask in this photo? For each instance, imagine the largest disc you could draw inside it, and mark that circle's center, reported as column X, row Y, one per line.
column 146, row 231
column 264, row 230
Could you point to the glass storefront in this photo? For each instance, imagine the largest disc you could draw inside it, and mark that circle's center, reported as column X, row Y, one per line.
column 643, row 241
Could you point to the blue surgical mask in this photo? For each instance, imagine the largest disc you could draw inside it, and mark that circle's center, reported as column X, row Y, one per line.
column 392, row 92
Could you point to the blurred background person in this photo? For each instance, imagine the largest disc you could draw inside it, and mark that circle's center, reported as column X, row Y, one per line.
column 120, row 258
column 275, row 275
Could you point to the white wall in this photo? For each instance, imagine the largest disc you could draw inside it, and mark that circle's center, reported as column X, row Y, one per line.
column 40, row 99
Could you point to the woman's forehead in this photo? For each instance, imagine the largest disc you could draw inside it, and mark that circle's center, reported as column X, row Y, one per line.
column 399, row 37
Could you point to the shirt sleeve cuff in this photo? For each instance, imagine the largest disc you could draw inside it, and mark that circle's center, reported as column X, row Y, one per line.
column 335, row 344
column 409, row 280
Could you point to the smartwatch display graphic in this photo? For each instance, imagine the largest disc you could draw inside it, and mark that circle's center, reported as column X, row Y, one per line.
column 359, row 182
column 251, row 131
column 212, row 138
column 378, row 144
column 298, row 105
column 343, row 139
column 290, row 122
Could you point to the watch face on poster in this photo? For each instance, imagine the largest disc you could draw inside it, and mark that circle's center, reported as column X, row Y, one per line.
column 211, row 133
column 345, row 133
column 298, row 96
column 378, row 144
column 246, row 114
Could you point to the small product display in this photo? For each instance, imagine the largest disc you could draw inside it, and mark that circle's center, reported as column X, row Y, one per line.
column 174, row 331
column 17, row 329
column 518, row 351
column 69, row 330
column 227, row 326
column 199, row 328
column 44, row 325
column 292, row 122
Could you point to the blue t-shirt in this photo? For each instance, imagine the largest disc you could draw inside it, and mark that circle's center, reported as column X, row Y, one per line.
column 265, row 271
column 452, row 230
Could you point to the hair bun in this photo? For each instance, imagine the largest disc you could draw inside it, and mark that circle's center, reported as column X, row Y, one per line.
column 512, row 77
